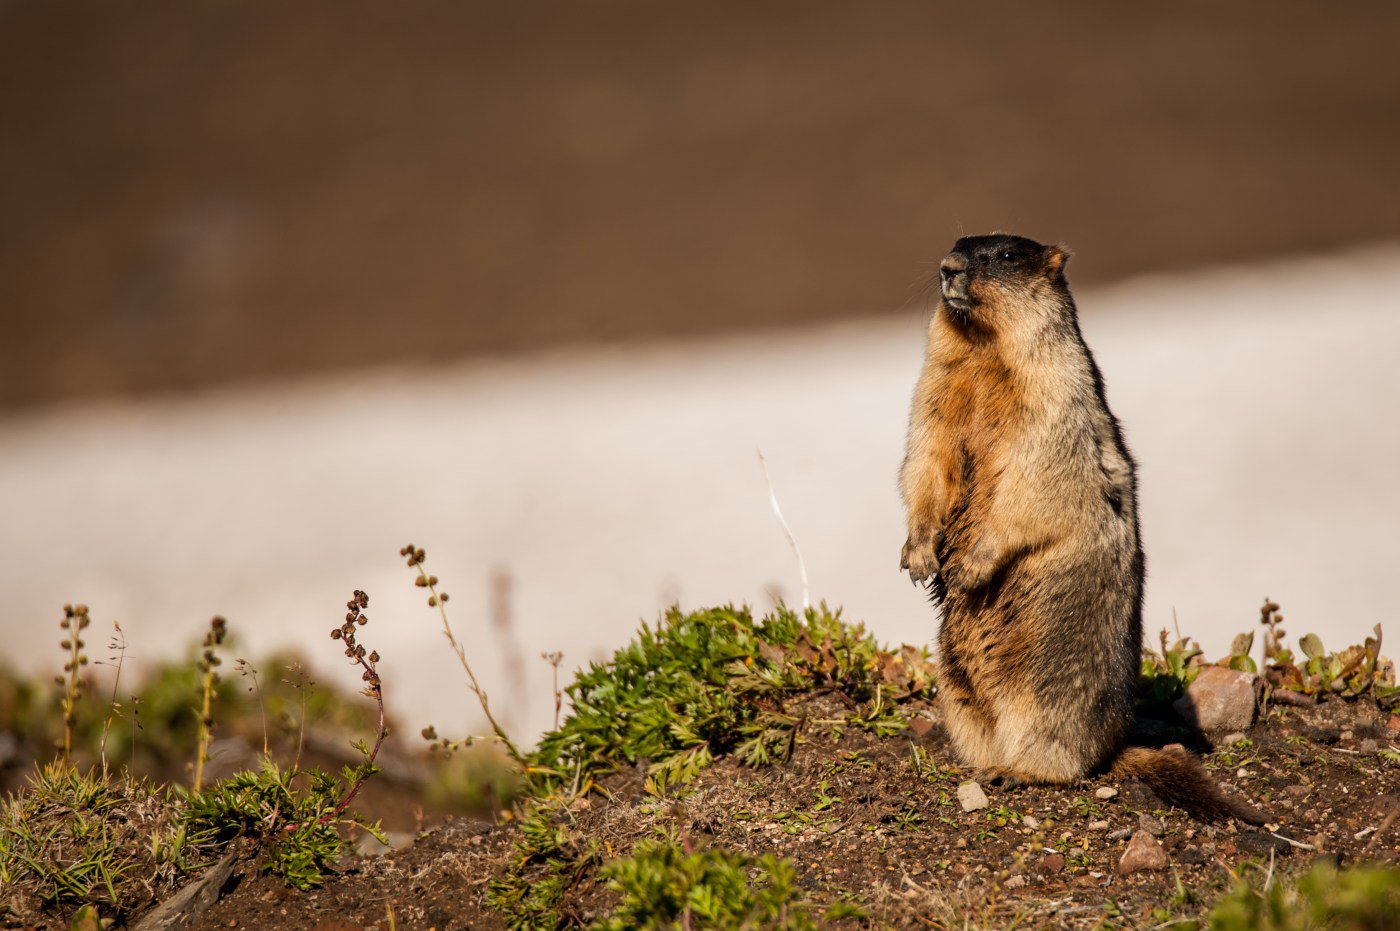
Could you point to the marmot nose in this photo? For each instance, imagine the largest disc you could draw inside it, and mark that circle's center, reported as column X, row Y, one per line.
column 953, row 275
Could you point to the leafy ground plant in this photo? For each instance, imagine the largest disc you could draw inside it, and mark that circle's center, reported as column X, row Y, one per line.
column 1362, row 898
column 719, row 681
column 667, row 883
column 71, row 838
column 296, row 813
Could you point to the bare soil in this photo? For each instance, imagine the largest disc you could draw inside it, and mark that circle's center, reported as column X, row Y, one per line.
column 897, row 841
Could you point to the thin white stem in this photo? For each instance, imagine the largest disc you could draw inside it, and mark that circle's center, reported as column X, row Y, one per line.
column 792, row 541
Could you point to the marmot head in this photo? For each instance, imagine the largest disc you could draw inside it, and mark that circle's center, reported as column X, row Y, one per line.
column 993, row 283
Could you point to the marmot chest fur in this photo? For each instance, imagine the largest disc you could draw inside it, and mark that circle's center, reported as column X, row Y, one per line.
column 1022, row 518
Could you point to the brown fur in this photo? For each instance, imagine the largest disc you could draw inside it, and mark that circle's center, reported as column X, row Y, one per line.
column 1022, row 508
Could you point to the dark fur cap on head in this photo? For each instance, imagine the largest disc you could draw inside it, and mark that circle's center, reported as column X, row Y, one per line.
column 1003, row 253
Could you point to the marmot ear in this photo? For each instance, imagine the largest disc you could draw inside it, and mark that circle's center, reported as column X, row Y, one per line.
column 1056, row 258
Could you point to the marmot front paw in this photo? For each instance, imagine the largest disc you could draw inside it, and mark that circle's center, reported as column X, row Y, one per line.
column 920, row 555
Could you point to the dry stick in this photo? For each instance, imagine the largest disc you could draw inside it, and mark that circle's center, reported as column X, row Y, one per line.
column 792, row 541
column 430, row 583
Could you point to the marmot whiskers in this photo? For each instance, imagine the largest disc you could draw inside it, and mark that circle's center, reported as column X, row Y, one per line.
column 1022, row 504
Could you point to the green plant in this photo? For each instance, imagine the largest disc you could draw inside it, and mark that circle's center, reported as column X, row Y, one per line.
column 1165, row 675
column 1240, row 648
column 1349, row 673
column 296, row 812
column 666, row 883
column 718, row 681
column 1364, row 898
column 75, row 620
column 70, row 837
column 550, row 859
column 208, row 680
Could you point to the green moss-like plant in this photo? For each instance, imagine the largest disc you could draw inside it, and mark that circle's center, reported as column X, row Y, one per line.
column 1362, row 898
column 718, row 681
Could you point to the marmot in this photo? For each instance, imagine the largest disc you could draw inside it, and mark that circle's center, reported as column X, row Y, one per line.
column 1022, row 504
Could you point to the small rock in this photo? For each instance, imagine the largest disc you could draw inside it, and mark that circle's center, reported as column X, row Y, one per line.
column 1151, row 825
column 1393, row 725
column 1297, row 791
column 1232, row 739
column 1143, row 853
column 1053, row 863
column 920, row 725
column 971, row 797
column 1191, row 855
column 1015, row 882
column 1031, row 822
column 1105, row 793
column 1368, row 746
column 1346, row 735
column 1098, row 825
column 1077, row 851
column 1120, row 834
column 1259, row 844
column 1221, row 699
column 580, row 804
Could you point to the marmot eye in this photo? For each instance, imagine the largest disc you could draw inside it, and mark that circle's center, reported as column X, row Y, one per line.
column 1008, row 256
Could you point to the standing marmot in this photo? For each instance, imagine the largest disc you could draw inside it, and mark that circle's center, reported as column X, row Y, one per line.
column 1023, row 518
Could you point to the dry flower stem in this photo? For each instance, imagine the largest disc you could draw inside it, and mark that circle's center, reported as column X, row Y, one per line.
column 435, row 600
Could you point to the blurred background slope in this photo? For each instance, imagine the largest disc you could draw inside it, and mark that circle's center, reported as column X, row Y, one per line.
column 193, row 194
column 527, row 284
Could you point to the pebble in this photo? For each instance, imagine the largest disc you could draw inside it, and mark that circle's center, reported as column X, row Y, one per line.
column 1077, row 851
column 1297, row 791
column 1232, row 739
column 1031, row 822
column 1368, row 746
column 1053, row 863
column 1015, row 882
column 1098, row 825
column 1151, row 825
column 1105, row 793
column 971, row 797
column 1143, row 853
column 1120, row 834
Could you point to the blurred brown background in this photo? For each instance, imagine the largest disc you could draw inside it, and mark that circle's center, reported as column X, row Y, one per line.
column 194, row 193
